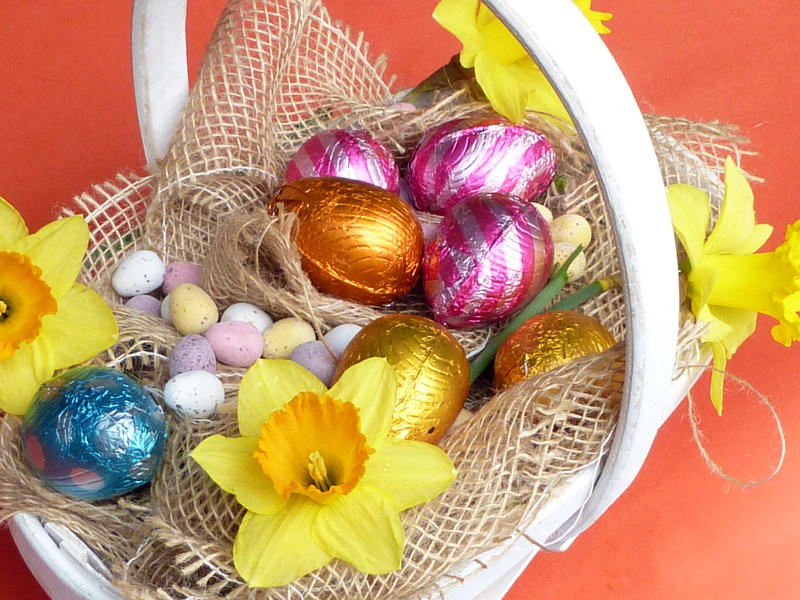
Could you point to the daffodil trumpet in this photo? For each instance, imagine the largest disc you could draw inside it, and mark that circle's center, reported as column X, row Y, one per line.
column 47, row 321
column 317, row 472
column 727, row 282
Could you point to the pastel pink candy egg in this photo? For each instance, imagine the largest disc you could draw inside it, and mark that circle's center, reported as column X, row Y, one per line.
column 235, row 343
column 180, row 272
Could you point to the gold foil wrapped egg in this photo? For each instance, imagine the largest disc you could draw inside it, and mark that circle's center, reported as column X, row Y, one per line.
column 357, row 241
column 546, row 341
column 432, row 372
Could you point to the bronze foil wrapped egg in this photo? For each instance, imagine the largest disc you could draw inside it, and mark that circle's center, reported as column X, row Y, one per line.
column 546, row 341
column 432, row 372
column 357, row 241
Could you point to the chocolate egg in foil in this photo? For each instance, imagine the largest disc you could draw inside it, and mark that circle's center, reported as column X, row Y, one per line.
column 432, row 372
column 490, row 256
column 348, row 154
column 93, row 433
column 546, row 341
column 357, row 241
column 465, row 157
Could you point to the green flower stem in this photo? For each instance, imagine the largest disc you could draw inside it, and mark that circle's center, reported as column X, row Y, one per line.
column 537, row 305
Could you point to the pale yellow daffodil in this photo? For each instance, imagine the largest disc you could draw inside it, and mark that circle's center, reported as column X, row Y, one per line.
column 726, row 282
column 47, row 321
column 317, row 473
column 512, row 82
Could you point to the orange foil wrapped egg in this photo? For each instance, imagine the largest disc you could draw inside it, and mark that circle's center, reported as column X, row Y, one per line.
column 546, row 341
column 432, row 372
column 357, row 241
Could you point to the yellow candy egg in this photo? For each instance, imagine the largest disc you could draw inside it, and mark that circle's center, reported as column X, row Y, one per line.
column 561, row 252
column 432, row 372
column 571, row 228
column 546, row 341
column 192, row 310
column 285, row 335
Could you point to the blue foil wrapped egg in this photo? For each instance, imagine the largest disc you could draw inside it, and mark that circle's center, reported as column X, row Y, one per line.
column 94, row 433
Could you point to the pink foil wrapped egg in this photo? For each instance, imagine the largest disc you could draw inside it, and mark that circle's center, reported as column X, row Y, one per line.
column 347, row 154
column 467, row 157
column 490, row 256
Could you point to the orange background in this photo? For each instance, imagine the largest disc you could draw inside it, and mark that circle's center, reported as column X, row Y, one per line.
column 67, row 120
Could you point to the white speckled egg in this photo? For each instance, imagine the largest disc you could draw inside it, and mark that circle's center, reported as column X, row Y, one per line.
column 180, row 272
column 561, row 252
column 165, row 314
column 194, row 393
column 247, row 313
column 338, row 337
column 285, row 335
column 139, row 273
column 546, row 213
column 235, row 343
column 145, row 303
column 571, row 228
column 192, row 353
column 192, row 309
column 315, row 357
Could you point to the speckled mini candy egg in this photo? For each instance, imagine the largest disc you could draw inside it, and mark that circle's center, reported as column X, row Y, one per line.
column 491, row 255
column 180, row 272
column 145, row 303
column 340, row 336
column 93, row 433
column 139, row 273
column 348, row 154
column 235, row 343
column 247, row 313
column 284, row 335
column 466, row 157
column 192, row 309
column 192, row 353
column 546, row 213
column 195, row 394
column 561, row 252
column 317, row 359
column 571, row 228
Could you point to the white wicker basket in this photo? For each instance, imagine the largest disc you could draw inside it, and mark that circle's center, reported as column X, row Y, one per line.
column 596, row 95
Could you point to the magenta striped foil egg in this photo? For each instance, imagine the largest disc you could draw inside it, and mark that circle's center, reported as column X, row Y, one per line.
column 490, row 256
column 347, row 154
column 466, row 157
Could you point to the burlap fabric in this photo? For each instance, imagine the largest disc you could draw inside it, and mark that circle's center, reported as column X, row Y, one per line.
column 275, row 72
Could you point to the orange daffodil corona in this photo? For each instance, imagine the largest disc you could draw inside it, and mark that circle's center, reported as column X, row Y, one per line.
column 317, row 473
column 512, row 82
column 47, row 320
column 728, row 284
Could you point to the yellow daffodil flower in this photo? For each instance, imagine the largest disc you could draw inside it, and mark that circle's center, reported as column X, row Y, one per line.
column 317, row 473
column 47, row 321
column 507, row 75
column 727, row 283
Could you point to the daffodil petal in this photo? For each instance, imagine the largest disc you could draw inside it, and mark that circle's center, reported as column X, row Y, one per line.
column 740, row 325
column 459, row 18
column 23, row 373
column 57, row 249
column 544, row 99
column 12, row 225
column 362, row 528
column 266, row 387
column 594, row 17
column 500, row 42
column 371, row 385
column 409, row 472
column 83, row 327
column 735, row 231
column 232, row 466
column 273, row 550
column 690, row 210
column 718, row 375
column 506, row 86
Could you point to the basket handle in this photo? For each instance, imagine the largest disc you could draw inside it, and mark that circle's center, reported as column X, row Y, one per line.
column 601, row 104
